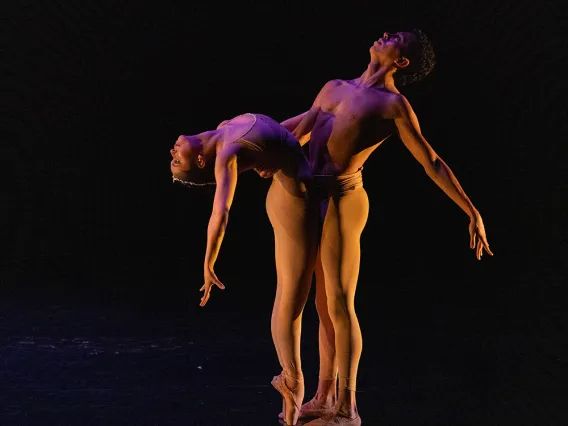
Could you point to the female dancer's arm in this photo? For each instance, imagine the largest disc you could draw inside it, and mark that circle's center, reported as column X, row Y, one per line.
column 226, row 178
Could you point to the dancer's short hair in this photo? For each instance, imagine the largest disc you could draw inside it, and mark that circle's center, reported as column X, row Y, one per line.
column 190, row 184
column 420, row 53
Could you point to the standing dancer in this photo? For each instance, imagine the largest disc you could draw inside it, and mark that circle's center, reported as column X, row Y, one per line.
column 348, row 120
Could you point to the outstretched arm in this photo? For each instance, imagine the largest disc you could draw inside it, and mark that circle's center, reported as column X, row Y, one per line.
column 409, row 132
column 226, row 178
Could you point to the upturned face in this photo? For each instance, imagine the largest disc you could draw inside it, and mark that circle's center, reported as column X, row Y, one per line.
column 391, row 46
column 182, row 156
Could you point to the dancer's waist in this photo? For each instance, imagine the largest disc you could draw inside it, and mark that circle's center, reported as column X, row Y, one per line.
column 339, row 184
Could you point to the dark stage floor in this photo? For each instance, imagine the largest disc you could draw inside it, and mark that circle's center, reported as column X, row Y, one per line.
column 69, row 362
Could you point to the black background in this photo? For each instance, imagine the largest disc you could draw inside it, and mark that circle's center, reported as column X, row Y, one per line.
column 96, row 93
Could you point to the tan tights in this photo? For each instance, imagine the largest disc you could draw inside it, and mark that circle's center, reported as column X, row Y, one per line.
column 337, row 271
column 295, row 237
column 297, row 233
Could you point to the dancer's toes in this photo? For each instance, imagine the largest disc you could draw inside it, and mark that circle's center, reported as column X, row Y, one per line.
column 312, row 409
column 339, row 420
column 336, row 418
column 321, row 421
column 315, row 408
column 300, row 422
column 292, row 397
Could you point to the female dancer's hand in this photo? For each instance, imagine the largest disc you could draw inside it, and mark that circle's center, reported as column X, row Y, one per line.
column 210, row 280
column 477, row 234
column 265, row 173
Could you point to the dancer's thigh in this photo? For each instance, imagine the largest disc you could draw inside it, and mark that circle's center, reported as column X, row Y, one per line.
column 295, row 230
column 340, row 242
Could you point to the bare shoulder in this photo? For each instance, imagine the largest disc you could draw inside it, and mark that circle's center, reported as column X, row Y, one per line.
column 326, row 92
column 400, row 106
column 331, row 84
column 402, row 111
column 228, row 152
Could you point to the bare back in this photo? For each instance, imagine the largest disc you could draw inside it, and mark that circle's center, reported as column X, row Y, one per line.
column 352, row 122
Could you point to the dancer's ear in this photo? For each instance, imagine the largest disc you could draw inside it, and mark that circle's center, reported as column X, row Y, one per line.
column 200, row 161
column 402, row 62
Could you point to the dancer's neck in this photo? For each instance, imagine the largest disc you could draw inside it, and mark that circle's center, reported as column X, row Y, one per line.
column 210, row 142
column 378, row 76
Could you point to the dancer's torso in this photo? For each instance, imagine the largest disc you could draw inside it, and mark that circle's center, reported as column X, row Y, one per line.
column 265, row 143
column 353, row 121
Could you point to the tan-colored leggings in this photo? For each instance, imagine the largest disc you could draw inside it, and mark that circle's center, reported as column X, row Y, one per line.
column 295, row 236
column 337, row 272
column 297, row 230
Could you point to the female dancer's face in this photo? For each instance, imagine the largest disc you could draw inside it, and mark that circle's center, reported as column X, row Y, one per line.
column 182, row 158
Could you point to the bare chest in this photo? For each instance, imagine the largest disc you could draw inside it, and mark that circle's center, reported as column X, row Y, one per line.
column 360, row 111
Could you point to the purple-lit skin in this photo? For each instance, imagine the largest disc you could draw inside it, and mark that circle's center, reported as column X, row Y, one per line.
column 191, row 152
column 347, row 121
column 257, row 141
column 215, row 148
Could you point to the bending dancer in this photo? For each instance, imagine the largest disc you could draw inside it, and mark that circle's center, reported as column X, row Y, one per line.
column 348, row 120
column 216, row 157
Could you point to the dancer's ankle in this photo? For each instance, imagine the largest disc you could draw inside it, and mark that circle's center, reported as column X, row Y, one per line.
column 327, row 392
column 325, row 399
column 294, row 380
column 347, row 405
column 348, row 411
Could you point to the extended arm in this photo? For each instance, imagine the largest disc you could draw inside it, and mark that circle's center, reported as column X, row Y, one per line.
column 226, row 179
column 409, row 132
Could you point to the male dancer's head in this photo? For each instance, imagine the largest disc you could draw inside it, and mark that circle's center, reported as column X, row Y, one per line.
column 405, row 56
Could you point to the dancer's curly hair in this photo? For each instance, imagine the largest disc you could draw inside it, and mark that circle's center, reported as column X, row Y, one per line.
column 422, row 60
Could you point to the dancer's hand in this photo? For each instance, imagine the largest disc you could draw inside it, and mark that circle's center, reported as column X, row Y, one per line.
column 477, row 235
column 210, row 280
column 265, row 173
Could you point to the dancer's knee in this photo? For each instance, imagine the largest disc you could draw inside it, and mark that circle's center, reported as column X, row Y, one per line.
column 340, row 308
column 292, row 304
